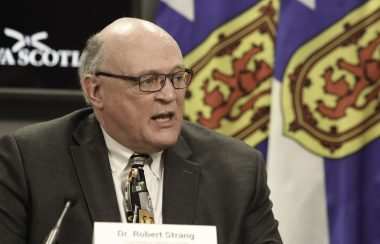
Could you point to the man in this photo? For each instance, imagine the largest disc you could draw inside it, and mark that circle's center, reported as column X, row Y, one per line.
column 132, row 74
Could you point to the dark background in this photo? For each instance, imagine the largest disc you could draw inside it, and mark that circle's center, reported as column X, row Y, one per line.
column 68, row 23
column 29, row 94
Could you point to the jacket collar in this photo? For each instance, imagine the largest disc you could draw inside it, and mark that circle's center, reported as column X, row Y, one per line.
column 94, row 172
column 181, row 176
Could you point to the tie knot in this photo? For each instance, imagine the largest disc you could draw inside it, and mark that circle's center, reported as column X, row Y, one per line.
column 138, row 160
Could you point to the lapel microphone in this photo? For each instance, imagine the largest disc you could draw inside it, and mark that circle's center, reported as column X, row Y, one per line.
column 54, row 233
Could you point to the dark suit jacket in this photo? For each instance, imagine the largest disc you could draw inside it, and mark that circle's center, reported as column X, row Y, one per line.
column 209, row 179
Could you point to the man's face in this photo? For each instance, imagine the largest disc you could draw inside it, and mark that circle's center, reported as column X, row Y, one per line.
column 143, row 122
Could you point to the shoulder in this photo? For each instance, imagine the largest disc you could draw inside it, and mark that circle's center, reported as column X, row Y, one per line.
column 197, row 135
column 53, row 131
column 207, row 143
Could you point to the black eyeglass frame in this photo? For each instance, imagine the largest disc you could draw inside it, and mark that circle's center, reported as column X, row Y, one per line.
column 138, row 78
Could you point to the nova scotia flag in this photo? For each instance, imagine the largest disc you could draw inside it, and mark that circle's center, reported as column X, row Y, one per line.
column 324, row 144
column 324, row 104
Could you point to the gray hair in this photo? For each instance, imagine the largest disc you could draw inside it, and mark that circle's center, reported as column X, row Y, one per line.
column 92, row 56
column 91, row 59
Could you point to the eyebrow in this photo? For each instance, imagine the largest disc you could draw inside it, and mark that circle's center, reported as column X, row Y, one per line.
column 153, row 71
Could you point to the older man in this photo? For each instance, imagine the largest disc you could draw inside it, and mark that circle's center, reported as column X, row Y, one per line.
column 132, row 74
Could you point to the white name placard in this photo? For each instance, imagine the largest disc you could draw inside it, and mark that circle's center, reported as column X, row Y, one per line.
column 122, row 233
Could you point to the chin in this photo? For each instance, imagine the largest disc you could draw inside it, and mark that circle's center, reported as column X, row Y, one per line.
column 168, row 142
column 165, row 141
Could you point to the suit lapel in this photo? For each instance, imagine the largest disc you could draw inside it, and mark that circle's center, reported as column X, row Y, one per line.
column 94, row 171
column 180, row 185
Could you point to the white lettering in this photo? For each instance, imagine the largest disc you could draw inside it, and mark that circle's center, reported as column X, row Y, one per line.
column 33, row 58
column 75, row 58
column 36, row 53
column 6, row 57
column 64, row 57
column 23, row 57
column 54, row 58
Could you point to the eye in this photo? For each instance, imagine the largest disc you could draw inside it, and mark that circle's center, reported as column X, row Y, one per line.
column 148, row 79
column 178, row 77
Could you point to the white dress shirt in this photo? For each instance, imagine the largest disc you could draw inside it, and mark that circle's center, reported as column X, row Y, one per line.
column 119, row 156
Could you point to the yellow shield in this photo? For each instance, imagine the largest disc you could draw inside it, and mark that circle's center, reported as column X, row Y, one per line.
column 331, row 86
column 233, row 67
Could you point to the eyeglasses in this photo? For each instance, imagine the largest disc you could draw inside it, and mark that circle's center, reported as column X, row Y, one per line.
column 155, row 82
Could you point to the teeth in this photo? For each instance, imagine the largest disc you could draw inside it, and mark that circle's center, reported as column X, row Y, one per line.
column 162, row 120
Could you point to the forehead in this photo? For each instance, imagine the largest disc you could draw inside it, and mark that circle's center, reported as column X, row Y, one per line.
column 133, row 54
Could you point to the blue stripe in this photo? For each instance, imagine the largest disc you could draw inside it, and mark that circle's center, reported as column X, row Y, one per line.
column 353, row 196
column 263, row 148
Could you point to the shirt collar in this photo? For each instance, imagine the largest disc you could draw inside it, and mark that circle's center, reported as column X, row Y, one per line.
column 119, row 156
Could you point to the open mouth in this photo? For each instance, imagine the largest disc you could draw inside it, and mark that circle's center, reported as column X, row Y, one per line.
column 162, row 118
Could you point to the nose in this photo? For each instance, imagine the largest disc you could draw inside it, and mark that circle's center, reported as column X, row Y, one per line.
column 168, row 93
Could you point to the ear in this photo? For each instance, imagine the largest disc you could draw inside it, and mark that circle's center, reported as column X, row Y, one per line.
column 92, row 90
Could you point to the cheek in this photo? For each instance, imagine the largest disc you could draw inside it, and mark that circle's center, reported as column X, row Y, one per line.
column 136, row 114
column 119, row 109
column 121, row 100
column 181, row 97
column 112, row 95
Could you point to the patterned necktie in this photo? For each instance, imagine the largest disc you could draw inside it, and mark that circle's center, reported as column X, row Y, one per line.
column 137, row 202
